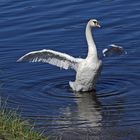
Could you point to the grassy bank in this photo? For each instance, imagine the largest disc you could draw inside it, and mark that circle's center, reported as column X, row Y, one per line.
column 12, row 127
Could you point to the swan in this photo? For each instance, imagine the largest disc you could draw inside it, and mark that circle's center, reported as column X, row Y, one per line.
column 87, row 70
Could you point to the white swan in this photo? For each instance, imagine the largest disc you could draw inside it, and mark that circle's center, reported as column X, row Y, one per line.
column 87, row 70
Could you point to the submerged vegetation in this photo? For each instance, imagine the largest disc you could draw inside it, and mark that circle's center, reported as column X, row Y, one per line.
column 12, row 127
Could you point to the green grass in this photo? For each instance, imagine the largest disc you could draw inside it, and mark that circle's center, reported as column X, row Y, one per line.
column 12, row 127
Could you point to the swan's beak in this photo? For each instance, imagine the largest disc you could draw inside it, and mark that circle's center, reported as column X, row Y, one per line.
column 98, row 25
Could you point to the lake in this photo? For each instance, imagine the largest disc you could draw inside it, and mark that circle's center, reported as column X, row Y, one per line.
column 41, row 93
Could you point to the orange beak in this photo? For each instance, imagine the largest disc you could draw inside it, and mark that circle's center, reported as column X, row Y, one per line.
column 98, row 25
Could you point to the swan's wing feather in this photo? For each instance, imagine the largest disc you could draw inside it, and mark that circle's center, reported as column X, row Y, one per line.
column 59, row 59
column 113, row 50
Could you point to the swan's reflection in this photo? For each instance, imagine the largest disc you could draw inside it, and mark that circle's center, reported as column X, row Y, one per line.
column 88, row 109
column 86, row 113
column 85, row 119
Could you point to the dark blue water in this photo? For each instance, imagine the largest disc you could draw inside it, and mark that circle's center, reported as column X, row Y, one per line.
column 41, row 91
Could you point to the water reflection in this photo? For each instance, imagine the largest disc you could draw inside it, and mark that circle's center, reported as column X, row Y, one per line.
column 86, row 113
column 83, row 119
column 88, row 108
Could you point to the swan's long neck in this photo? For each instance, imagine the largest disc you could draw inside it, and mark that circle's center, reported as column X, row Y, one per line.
column 92, row 51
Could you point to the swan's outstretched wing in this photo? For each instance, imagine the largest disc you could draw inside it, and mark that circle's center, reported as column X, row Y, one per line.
column 113, row 50
column 61, row 60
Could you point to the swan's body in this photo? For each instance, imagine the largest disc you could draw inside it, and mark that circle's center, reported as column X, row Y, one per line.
column 87, row 70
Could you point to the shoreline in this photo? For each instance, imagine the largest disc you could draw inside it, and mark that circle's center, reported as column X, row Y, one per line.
column 13, row 127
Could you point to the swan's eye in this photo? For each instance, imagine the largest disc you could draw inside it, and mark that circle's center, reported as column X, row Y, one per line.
column 95, row 22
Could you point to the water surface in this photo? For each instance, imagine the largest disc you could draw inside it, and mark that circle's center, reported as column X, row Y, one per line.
column 41, row 91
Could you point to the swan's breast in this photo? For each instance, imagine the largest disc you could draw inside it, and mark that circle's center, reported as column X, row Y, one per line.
column 87, row 71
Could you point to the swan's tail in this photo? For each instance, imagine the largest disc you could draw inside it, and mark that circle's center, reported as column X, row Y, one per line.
column 72, row 85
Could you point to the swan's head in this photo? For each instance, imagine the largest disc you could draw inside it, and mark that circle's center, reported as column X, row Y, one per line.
column 94, row 23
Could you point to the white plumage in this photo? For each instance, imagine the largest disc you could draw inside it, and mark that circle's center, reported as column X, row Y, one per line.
column 113, row 50
column 87, row 70
column 59, row 59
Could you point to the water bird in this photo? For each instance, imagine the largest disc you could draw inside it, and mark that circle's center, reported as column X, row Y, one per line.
column 87, row 70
